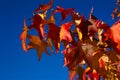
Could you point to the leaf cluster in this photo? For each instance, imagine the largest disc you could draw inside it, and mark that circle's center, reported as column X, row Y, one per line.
column 87, row 42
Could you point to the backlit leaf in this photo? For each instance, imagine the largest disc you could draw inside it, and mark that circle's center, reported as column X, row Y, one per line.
column 23, row 36
column 38, row 44
column 64, row 12
column 38, row 24
column 79, row 34
column 65, row 33
column 53, row 34
column 116, row 33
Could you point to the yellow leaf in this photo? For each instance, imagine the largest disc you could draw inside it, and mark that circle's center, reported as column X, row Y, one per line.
column 79, row 34
column 43, row 16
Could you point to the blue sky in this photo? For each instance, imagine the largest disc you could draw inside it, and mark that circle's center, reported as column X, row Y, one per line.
column 17, row 65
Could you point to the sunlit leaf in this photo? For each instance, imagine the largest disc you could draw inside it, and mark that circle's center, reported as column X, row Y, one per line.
column 23, row 36
column 79, row 34
column 65, row 33
column 116, row 33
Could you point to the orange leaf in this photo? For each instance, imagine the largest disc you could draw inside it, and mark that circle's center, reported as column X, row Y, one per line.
column 23, row 37
column 43, row 7
column 101, row 63
column 116, row 33
column 64, row 32
column 38, row 44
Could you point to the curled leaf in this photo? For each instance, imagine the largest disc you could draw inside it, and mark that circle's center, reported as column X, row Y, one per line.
column 23, row 36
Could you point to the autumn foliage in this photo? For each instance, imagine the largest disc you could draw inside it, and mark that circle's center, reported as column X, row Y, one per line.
column 91, row 46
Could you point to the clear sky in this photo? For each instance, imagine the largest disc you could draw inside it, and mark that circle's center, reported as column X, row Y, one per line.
column 18, row 65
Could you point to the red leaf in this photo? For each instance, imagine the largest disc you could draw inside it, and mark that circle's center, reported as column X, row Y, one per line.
column 69, row 55
column 116, row 33
column 106, row 35
column 72, row 75
column 23, row 37
column 43, row 7
column 38, row 24
column 64, row 32
column 101, row 63
column 53, row 34
column 64, row 12
column 94, row 75
column 72, row 56
column 85, row 72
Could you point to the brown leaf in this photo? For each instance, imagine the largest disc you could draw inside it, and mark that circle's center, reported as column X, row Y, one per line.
column 94, row 75
column 112, row 56
column 38, row 44
column 115, row 13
